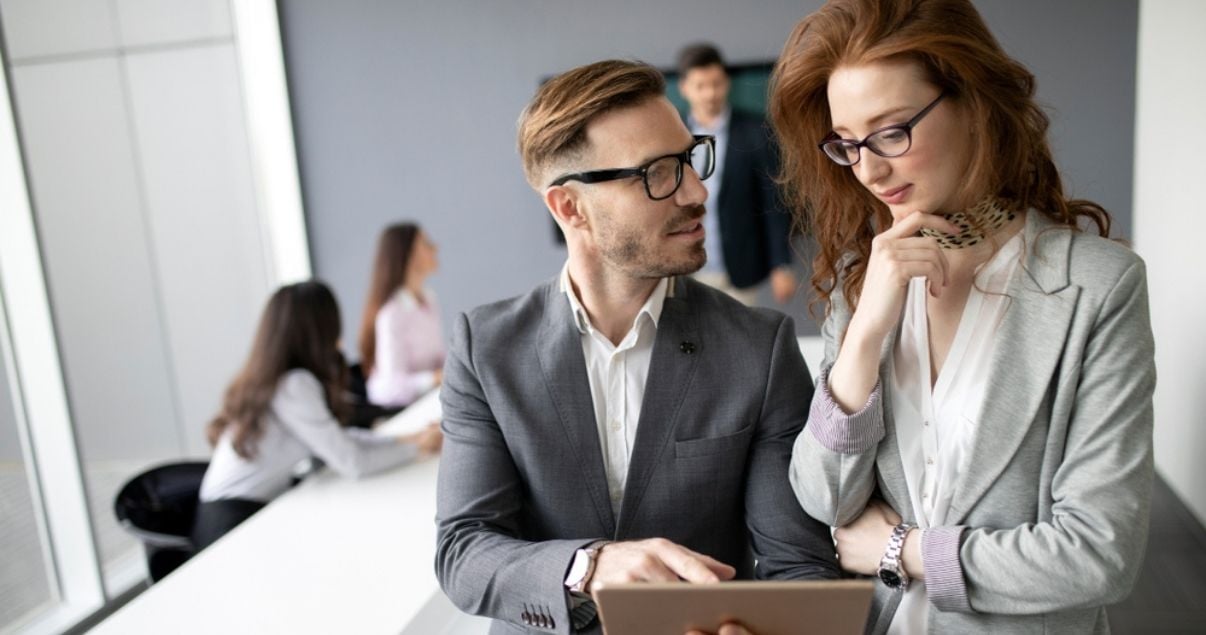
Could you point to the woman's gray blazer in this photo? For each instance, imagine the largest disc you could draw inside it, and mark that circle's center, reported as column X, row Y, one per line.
column 1050, row 522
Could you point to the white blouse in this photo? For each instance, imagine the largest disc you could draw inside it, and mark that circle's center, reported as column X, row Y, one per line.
column 936, row 427
column 298, row 425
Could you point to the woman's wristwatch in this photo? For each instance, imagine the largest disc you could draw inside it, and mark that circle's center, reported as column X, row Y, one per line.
column 891, row 568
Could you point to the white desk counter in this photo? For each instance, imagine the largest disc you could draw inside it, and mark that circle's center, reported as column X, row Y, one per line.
column 332, row 555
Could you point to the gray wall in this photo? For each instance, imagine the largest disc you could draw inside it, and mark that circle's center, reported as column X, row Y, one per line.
column 407, row 111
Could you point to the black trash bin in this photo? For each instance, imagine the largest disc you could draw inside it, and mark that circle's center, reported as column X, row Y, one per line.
column 158, row 507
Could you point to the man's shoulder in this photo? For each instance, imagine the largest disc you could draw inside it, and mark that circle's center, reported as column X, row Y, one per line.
column 513, row 314
column 718, row 311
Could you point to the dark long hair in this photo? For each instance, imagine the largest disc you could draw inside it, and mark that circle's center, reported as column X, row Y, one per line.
column 959, row 55
column 395, row 247
column 300, row 328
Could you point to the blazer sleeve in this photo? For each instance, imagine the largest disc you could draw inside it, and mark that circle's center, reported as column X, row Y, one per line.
column 833, row 462
column 480, row 563
column 1090, row 551
column 787, row 543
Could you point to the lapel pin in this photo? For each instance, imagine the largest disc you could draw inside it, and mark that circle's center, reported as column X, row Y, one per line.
column 687, row 347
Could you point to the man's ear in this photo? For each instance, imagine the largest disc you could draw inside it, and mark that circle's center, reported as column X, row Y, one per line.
column 564, row 205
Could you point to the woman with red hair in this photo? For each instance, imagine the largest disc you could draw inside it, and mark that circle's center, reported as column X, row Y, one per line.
column 981, row 431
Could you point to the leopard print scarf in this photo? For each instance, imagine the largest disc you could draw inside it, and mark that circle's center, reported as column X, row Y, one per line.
column 975, row 224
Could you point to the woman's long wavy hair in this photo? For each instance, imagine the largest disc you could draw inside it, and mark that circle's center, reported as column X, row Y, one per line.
column 395, row 248
column 300, row 328
column 958, row 54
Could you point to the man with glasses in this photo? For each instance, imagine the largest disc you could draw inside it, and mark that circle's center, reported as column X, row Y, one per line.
column 621, row 422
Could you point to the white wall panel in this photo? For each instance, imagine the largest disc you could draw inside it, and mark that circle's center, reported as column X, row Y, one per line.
column 1170, row 220
column 144, row 22
column 193, row 143
column 84, row 184
column 37, row 28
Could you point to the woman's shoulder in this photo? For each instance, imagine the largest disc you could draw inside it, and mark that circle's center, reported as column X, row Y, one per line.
column 404, row 301
column 1097, row 261
column 298, row 384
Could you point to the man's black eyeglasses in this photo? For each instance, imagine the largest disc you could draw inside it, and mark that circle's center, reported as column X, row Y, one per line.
column 888, row 142
column 663, row 175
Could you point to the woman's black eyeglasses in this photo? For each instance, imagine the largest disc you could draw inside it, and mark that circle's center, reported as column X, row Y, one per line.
column 888, row 142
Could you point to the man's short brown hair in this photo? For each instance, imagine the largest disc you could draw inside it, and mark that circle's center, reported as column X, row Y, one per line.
column 699, row 55
column 553, row 126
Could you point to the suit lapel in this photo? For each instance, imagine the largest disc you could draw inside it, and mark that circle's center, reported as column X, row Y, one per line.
column 671, row 370
column 564, row 368
column 1029, row 345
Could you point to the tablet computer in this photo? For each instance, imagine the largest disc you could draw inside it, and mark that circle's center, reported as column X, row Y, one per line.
column 765, row 608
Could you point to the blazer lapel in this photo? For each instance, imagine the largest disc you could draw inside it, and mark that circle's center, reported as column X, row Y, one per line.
column 564, row 368
column 676, row 352
column 1029, row 346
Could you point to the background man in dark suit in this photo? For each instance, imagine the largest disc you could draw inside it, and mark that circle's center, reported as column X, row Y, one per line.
column 621, row 422
column 747, row 228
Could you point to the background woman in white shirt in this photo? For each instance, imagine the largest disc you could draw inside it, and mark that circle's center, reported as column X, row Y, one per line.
column 989, row 364
column 285, row 406
column 401, row 340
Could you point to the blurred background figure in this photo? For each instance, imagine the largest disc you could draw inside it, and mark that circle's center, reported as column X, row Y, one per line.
column 285, row 406
column 401, row 340
column 747, row 229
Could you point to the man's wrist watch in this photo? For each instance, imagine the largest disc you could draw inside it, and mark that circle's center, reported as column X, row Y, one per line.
column 891, row 569
column 583, row 567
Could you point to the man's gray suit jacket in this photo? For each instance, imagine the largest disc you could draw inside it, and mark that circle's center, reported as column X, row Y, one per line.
column 522, row 482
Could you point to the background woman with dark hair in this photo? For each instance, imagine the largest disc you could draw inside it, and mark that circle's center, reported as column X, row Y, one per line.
column 982, row 422
column 401, row 341
column 285, row 406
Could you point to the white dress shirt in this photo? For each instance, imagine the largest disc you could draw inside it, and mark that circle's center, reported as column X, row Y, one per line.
column 936, row 427
column 617, row 379
column 298, row 425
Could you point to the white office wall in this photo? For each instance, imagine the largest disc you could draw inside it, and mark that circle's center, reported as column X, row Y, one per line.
column 201, row 216
column 150, row 22
column 84, row 182
column 41, row 28
column 131, row 115
column 1170, row 223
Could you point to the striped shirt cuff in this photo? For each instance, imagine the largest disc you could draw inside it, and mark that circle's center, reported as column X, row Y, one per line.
column 844, row 433
column 944, row 582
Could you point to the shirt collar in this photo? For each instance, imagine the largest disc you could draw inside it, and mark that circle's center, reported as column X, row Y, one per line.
column 722, row 124
column 652, row 307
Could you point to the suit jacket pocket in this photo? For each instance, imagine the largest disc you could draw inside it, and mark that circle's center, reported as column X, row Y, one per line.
column 735, row 442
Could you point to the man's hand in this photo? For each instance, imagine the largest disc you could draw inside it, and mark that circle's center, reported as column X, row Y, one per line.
column 655, row 560
column 783, row 284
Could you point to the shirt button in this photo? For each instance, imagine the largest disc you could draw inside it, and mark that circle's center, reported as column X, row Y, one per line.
column 926, row 423
column 615, row 426
column 929, row 461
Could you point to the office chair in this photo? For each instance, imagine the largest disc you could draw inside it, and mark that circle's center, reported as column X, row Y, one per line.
column 158, row 507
